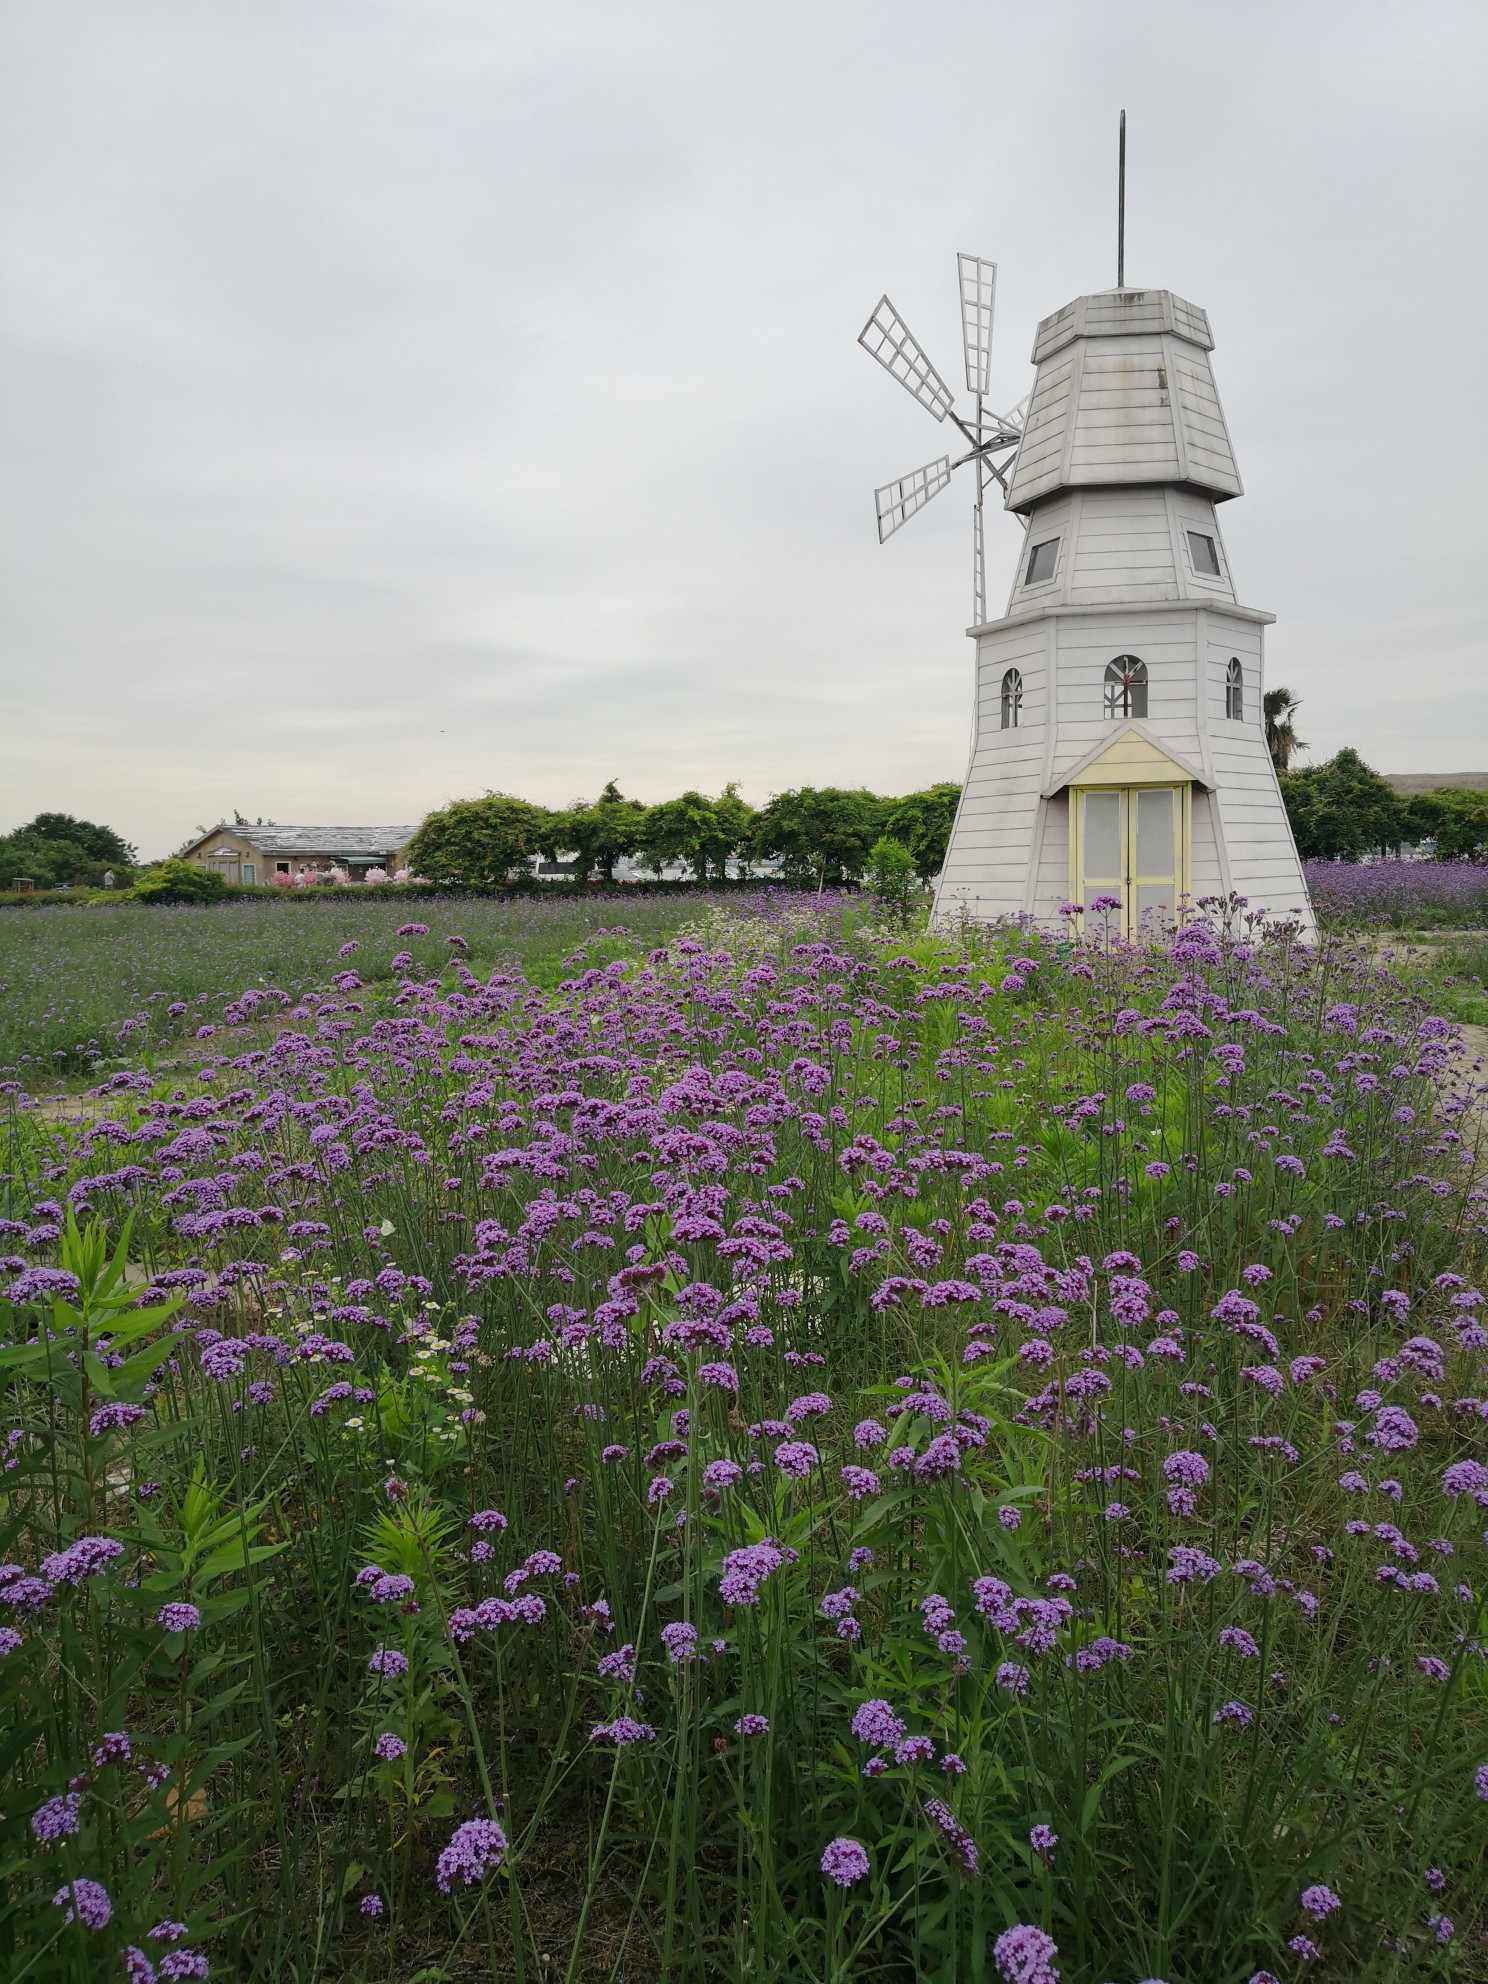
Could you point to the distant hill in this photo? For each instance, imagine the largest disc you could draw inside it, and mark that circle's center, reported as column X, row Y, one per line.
column 1434, row 781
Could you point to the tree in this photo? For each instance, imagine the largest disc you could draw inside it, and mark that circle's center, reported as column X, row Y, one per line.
column 47, row 863
column 681, row 830
column 701, row 831
column 1280, row 706
column 55, row 848
column 922, row 822
column 599, row 833
column 479, row 840
column 1454, row 817
column 98, row 843
column 1342, row 809
column 737, row 821
column 821, row 834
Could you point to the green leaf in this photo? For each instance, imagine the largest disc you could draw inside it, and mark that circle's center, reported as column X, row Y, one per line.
column 99, row 1375
column 1093, row 1796
column 233, row 1557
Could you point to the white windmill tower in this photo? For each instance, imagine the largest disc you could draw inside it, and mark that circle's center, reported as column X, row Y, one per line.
column 1118, row 742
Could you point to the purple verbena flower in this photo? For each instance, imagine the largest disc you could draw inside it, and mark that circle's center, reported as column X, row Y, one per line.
column 114, row 1748
column 58, row 1818
column 475, row 1848
column 622, row 1731
column 85, row 1902
column 875, row 1722
column 1025, row 1955
column 182, row 1965
column 87, row 1557
column 1239, row 1642
column 796, row 1458
column 114, row 1417
column 960, row 1841
column 844, row 1861
column 1319, row 1901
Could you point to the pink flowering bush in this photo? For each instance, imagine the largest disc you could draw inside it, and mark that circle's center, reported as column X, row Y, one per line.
column 743, row 1452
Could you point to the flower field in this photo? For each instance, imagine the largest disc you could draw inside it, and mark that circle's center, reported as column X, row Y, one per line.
column 84, row 986
column 779, row 1452
column 1400, row 895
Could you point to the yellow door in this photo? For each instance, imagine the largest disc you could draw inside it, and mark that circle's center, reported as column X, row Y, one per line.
column 1131, row 842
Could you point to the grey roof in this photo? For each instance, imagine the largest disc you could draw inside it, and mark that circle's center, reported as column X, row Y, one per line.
column 348, row 841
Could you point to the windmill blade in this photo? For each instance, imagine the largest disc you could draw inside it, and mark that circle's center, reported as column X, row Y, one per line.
column 1011, row 422
column 889, row 339
column 898, row 501
column 978, row 280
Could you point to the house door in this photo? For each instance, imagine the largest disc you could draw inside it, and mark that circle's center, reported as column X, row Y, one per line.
column 1130, row 843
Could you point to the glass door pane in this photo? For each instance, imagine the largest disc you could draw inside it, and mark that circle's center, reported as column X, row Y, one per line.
column 1104, row 861
column 1155, row 846
column 1155, row 860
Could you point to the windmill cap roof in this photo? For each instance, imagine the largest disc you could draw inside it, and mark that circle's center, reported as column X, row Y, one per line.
column 1116, row 313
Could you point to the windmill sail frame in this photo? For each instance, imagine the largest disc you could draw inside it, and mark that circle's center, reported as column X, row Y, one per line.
column 888, row 339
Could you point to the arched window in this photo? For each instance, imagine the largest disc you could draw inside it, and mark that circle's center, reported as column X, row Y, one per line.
column 1235, row 691
column 1012, row 699
column 1126, row 686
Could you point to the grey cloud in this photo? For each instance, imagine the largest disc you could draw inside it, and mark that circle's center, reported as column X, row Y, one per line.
column 398, row 400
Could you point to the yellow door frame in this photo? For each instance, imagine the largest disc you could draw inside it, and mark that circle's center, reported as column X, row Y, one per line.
column 1182, row 876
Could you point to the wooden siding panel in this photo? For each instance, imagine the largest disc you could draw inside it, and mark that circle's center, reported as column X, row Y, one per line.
column 1124, row 393
column 1205, row 432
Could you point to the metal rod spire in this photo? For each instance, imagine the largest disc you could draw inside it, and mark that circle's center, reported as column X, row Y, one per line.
column 1121, row 208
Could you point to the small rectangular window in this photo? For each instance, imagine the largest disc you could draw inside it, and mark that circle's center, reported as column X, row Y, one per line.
column 1204, row 555
column 1041, row 561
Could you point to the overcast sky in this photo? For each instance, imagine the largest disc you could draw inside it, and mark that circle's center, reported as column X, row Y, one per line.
column 405, row 398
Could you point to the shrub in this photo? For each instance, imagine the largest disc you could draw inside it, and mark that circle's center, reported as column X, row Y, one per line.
column 180, row 881
column 890, row 878
column 923, row 821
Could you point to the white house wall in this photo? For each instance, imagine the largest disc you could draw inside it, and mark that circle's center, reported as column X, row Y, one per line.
column 1120, row 547
column 1123, row 549
column 1009, row 851
column 996, row 819
column 1087, row 643
column 1262, row 855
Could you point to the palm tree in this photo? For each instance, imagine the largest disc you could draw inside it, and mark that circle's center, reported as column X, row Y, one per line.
column 1280, row 706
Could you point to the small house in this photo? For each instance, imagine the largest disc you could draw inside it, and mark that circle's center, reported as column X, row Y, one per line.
column 253, row 856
